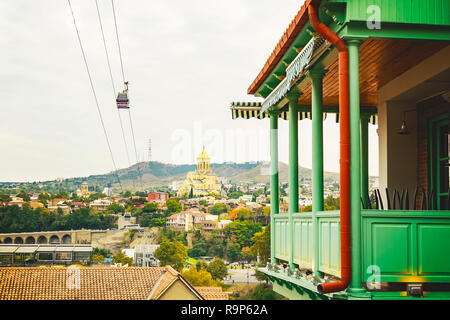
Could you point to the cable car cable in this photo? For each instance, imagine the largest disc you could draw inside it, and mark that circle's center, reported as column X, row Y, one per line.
column 94, row 94
column 112, row 84
column 112, row 81
column 118, row 41
column 126, row 83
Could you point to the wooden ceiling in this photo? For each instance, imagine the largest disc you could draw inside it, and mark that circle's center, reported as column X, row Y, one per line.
column 380, row 62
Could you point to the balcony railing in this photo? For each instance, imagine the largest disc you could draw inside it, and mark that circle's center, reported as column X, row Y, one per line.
column 398, row 245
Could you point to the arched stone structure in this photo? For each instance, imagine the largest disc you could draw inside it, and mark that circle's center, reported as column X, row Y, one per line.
column 8, row 240
column 30, row 240
column 54, row 239
column 67, row 238
column 42, row 240
column 18, row 240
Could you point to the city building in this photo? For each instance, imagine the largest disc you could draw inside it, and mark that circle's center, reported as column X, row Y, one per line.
column 107, row 192
column 100, row 205
column 157, row 196
column 22, row 255
column 83, row 192
column 202, row 181
column 125, row 220
column 36, row 204
column 392, row 69
column 207, row 225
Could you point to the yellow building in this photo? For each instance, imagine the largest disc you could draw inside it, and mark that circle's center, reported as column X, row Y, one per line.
column 36, row 204
column 84, row 192
column 202, row 181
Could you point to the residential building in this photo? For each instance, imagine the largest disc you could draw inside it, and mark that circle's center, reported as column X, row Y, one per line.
column 100, row 204
column 155, row 196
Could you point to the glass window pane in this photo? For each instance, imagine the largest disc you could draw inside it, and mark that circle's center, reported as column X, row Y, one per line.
column 63, row 256
column 443, row 142
column 444, row 177
column 45, row 256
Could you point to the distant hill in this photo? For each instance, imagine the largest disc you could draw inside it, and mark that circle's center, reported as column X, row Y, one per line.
column 155, row 174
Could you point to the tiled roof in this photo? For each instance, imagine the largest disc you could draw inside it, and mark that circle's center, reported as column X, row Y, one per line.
column 212, row 293
column 91, row 283
column 283, row 45
column 165, row 282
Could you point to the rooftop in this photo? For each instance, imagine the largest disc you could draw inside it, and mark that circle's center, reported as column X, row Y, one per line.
column 93, row 283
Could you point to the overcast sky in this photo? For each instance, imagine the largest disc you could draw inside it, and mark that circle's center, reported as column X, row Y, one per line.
column 185, row 61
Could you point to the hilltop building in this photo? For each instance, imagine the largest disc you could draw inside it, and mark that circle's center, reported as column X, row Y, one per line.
column 83, row 192
column 202, row 181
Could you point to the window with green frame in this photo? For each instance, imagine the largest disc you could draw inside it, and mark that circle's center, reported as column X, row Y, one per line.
column 439, row 148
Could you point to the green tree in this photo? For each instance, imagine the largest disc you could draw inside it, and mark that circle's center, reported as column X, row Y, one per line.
column 200, row 278
column 5, row 197
column 217, row 268
column 234, row 252
column 261, row 246
column 199, row 249
column 24, row 195
column 43, row 197
column 219, row 208
column 61, row 194
column 307, row 208
column 123, row 259
column 202, row 264
column 102, row 252
column 96, row 196
column 332, row 202
column 242, row 232
column 97, row 258
column 235, row 194
column 243, row 214
column 150, row 207
column 173, row 206
column 260, row 276
column 116, row 208
column 264, row 292
column 172, row 253
column 127, row 194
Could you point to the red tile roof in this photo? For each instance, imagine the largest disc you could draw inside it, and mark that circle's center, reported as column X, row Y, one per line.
column 91, row 283
column 212, row 293
column 283, row 45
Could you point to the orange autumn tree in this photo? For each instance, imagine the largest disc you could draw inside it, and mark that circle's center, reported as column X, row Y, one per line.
column 233, row 214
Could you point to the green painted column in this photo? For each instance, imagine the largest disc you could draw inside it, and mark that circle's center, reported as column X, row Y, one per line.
column 317, row 157
column 355, row 165
column 274, row 185
column 293, row 169
column 365, row 157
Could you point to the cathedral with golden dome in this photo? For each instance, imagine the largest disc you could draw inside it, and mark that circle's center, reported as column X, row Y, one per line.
column 202, row 181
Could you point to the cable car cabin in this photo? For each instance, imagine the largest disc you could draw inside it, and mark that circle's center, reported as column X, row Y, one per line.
column 390, row 239
column 123, row 101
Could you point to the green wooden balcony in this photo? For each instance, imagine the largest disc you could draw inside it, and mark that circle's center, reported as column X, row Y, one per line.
column 397, row 247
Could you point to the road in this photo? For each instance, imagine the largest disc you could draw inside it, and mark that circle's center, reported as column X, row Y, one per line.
column 241, row 276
